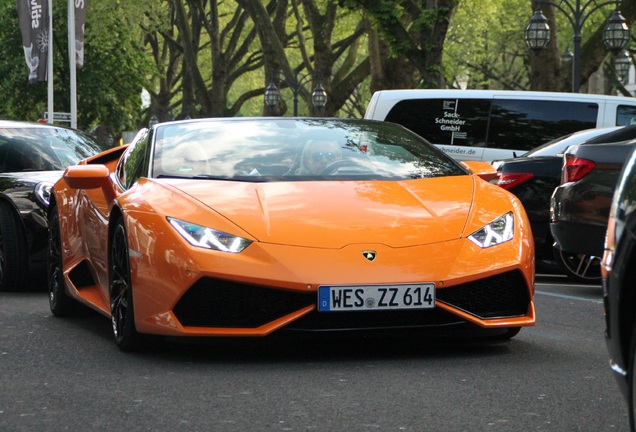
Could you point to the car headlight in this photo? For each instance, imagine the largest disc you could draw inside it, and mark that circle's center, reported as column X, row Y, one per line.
column 496, row 232
column 208, row 238
column 43, row 193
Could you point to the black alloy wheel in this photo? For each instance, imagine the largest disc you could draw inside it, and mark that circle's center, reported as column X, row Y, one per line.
column 61, row 305
column 121, row 295
column 579, row 267
column 13, row 250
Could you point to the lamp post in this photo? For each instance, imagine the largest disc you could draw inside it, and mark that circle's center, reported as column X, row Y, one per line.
column 296, row 83
column 615, row 35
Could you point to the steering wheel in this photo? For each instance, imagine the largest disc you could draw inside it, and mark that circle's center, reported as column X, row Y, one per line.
column 333, row 167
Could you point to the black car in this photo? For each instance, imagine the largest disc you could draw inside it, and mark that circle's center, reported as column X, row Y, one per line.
column 619, row 285
column 533, row 176
column 580, row 206
column 32, row 157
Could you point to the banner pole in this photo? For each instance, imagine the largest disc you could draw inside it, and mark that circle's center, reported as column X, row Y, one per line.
column 72, row 61
column 49, row 65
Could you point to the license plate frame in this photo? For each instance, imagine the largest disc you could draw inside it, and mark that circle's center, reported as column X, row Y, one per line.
column 348, row 298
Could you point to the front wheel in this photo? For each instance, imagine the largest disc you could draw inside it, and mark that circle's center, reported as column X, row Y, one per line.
column 13, row 250
column 60, row 304
column 121, row 294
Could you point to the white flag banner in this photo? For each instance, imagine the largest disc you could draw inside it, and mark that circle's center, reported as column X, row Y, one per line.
column 33, row 16
column 80, row 24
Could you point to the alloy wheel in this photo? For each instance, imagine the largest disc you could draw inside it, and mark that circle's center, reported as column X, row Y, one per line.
column 121, row 303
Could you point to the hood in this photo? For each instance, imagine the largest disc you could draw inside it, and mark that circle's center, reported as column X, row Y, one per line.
column 33, row 176
column 333, row 214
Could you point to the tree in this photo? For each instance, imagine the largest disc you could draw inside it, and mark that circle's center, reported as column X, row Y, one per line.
column 484, row 46
column 109, row 85
column 414, row 30
column 322, row 38
column 489, row 52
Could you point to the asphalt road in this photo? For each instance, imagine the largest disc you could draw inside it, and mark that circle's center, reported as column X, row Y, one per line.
column 67, row 375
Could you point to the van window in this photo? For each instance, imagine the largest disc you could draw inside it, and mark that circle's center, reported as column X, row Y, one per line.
column 625, row 115
column 525, row 124
column 461, row 122
column 516, row 124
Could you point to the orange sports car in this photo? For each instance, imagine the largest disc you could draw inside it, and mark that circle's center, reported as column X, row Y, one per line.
column 251, row 226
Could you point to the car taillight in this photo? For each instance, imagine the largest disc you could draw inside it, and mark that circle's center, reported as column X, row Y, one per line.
column 511, row 180
column 576, row 168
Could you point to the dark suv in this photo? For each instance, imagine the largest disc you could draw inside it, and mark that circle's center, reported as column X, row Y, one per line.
column 580, row 206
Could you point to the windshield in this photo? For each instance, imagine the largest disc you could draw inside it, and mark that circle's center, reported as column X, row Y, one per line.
column 558, row 146
column 43, row 148
column 275, row 149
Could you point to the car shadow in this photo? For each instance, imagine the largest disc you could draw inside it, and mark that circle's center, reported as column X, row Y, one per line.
column 300, row 347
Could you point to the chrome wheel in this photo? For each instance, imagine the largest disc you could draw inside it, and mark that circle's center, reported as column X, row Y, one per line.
column 580, row 267
column 121, row 295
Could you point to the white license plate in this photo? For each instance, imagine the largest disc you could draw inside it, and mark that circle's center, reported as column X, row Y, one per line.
column 375, row 297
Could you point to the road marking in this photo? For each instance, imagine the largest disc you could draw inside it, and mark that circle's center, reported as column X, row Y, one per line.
column 569, row 297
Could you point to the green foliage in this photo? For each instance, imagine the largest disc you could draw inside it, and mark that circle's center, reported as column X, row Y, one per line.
column 109, row 85
column 116, row 66
column 484, row 47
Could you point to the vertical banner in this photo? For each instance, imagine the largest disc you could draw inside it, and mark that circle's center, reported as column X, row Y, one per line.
column 33, row 16
column 80, row 23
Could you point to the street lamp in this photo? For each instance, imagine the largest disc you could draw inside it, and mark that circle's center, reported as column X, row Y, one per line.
column 296, row 83
column 615, row 35
column 622, row 63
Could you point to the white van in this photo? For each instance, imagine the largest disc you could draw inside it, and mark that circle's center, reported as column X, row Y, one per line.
column 496, row 124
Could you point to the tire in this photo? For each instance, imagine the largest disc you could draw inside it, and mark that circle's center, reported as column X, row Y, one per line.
column 579, row 267
column 121, row 293
column 60, row 303
column 13, row 251
column 631, row 382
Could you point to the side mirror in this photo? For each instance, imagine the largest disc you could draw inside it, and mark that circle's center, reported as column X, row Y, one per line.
column 90, row 177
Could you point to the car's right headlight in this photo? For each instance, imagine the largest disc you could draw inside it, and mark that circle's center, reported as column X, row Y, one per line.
column 209, row 238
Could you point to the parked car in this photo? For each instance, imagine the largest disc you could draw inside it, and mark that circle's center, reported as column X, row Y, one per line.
column 580, row 206
column 619, row 286
column 533, row 177
column 250, row 226
column 32, row 158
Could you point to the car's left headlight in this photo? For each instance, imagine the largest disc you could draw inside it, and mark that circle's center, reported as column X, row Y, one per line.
column 496, row 232
column 209, row 238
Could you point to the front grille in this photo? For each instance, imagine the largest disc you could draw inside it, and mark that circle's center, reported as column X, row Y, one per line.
column 504, row 295
column 220, row 303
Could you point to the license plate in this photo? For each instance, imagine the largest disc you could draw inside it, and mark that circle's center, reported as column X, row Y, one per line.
column 375, row 297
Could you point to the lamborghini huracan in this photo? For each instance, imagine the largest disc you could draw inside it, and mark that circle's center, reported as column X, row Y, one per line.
column 255, row 226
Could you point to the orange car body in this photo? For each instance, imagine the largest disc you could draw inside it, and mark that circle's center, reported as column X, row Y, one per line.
column 304, row 235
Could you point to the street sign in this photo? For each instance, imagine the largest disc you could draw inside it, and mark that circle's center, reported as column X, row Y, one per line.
column 59, row 116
